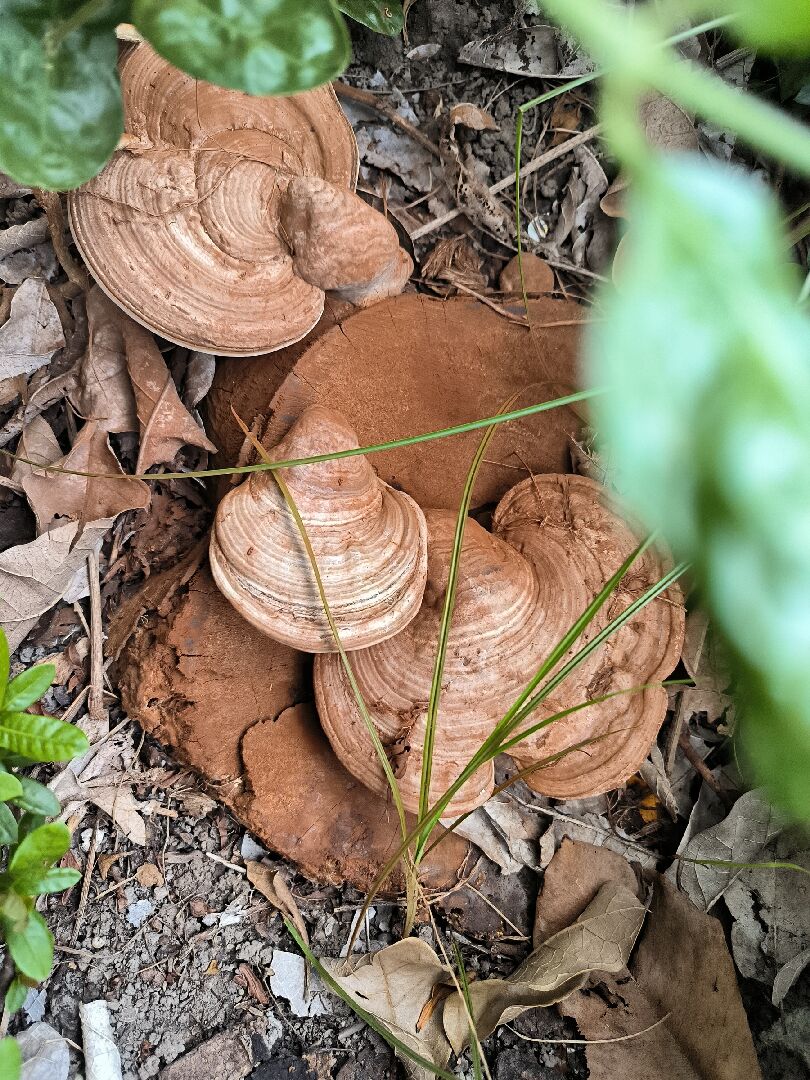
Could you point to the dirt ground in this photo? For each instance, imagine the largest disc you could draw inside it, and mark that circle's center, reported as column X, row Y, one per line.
column 170, row 934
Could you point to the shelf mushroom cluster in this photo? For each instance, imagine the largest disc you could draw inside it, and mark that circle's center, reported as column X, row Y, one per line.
column 384, row 565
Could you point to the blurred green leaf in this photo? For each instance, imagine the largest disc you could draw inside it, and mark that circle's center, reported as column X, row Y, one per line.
column 10, row 787
column 28, row 687
column 10, row 1059
column 707, row 360
column 32, row 947
column 8, row 826
column 36, row 798
column 260, row 46
column 35, row 882
column 776, row 27
column 15, row 996
column 40, row 738
column 28, row 822
column 381, row 16
column 13, row 909
column 60, row 110
column 40, row 849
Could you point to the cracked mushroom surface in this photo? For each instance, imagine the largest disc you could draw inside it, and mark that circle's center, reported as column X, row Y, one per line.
column 555, row 543
column 182, row 227
column 369, row 541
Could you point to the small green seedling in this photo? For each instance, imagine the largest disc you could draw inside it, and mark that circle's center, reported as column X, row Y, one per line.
column 30, row 847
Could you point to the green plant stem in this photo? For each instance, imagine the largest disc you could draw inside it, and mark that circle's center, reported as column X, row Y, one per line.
column 394, row 444
column 83, row 14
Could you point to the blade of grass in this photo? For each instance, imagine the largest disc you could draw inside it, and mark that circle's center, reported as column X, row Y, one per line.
column 447, row 617
column 361, row 705
column 367, row 1017
column 373, row 448
column 475, row 1045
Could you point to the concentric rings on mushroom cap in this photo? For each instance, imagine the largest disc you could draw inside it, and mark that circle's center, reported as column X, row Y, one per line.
column 370, row 544
column 181, row 229
column 565, row 528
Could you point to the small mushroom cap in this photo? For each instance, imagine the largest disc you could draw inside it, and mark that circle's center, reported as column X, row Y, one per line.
column 574, row 541
column 369, row 540
column 496, row 627
column 342, row 244
column 181, row 228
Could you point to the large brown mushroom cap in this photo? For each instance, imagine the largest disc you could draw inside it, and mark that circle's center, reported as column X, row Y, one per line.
column 181, row 229
column 497, row 624
column 565, row 528
column 369, row 540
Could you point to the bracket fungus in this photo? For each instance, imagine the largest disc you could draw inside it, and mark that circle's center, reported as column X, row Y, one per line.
column 369, row 540
column 555, row 544
column 183, row 227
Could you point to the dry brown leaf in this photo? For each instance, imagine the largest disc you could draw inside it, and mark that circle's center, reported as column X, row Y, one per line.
column 537, row 274
column 37, row 443
column 251, row 982
column 35, row 577
column 103, row 391
column 30, row 336
column 118, row 803
column 707, row 666
column 149, row 876
column 601, row 939
column 274, row 888
column 472, row 116
column 667, row 125
column 681, row 971
column 394, row 985
column 59, row 497
column 107, row 862
column 165, row 424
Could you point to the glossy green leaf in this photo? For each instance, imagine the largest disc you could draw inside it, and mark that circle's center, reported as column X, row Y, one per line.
column 381, row 16
column 8, row 826
column 10, row 787
column 15, row 996
column 10, row 1059
column 4, row 665
column 36, row 798
column 60, row 109
column 40, row 738
column 260, row 46
column 32, row 947
column 40, row 849
column 706, row 356
column 36, row 882
column 776, row 27
column 28, row 687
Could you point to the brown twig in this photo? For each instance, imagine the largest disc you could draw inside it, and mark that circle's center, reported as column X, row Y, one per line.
column 538, row 163
column 95, row 698
column 703, row 770
column 88, row 874
column 370, row 101
column 51, row 203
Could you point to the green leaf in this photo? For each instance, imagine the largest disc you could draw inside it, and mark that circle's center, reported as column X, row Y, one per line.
column 60, row 111
column 15, row 996
column 28, row 687
column 382, row 16
column 776, row 27
column 260, row 46
column 28, row 822
column 8, row 826
column 32, row 947
column 10, row 1059
column 35, row 882
column 4, row 665
column 13, row 909
column 707, row 359
column 40, row 738
column 36, row 798
column 10, row 787
column 40, row 849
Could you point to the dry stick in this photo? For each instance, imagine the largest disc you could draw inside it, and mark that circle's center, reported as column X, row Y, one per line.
column 88, row 874
column 95, row 697
column 538, row 163
column 51, row 203
column 700, row 767
column 366, row 98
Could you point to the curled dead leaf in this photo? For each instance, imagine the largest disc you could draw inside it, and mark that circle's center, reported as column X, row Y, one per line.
column 472, row 116
column 30, row 336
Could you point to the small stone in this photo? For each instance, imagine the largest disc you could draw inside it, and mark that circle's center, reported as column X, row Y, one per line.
column 288, row 980
column 139, row 912
column 250, row 849
column 34, row 1005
